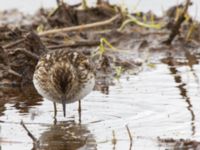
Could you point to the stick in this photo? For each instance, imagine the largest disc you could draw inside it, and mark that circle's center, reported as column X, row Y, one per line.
column 80, row 27
column 77, row 44
column 114, row 140
column 28, row 53
column 13, row 44
column 14, row 73
column 29, row 133
column 129, row 133
column 178, row 23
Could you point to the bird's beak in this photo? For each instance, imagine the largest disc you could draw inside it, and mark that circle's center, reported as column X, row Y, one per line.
column 64, row 108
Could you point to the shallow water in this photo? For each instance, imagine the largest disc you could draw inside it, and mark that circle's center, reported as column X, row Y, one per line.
column 161, row 101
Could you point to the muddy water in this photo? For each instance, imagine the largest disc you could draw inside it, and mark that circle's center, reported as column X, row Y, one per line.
column 160, row 102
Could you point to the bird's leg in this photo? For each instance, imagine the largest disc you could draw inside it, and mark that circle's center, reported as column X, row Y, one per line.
column 55, row 110
column 79, row 106
column 64, row 105
column 79, row 110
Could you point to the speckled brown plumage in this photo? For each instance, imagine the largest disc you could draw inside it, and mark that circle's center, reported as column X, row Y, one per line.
column 63, row 76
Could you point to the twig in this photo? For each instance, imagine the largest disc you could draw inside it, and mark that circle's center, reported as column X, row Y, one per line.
column 9, row 70
column 114, row 140
column 14, row 73
column 80, row 27
column 13, row 44
column 77, row 44
column 28, row 53
column 178, row 23
column 129, row 133
column 52, row 41
column 29, row 133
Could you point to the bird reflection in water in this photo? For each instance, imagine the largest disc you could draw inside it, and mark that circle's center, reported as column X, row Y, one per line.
column 66, row 135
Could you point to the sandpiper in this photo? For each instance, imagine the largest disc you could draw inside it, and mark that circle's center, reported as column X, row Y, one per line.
column 64, row 76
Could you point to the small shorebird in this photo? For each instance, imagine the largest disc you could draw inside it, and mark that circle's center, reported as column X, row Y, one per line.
column 64, row 77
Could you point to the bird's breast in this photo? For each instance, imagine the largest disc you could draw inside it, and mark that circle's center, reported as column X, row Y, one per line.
column 83, row 89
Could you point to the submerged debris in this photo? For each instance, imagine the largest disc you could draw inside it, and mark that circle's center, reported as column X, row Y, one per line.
column 180, row 143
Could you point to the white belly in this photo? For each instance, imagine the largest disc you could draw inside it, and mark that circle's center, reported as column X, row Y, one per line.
column 84, row 90
column 41, row 91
